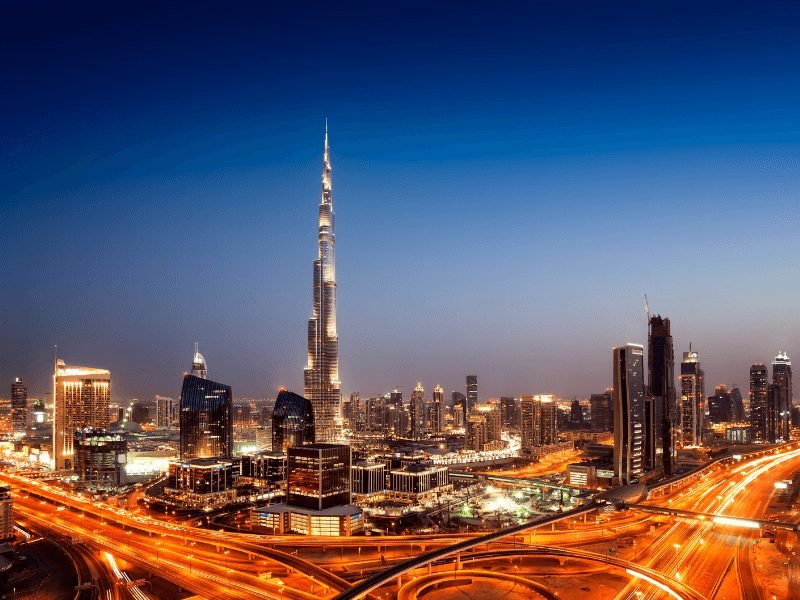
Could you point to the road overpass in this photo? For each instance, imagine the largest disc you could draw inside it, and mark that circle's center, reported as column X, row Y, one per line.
column 715, row 518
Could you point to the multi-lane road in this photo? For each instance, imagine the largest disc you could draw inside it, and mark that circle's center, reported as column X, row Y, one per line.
column 691, row 555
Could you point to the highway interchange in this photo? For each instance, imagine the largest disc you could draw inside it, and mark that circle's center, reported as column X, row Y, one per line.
column 645, row 555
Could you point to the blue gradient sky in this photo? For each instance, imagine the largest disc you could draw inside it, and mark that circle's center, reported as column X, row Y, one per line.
column 508, row 183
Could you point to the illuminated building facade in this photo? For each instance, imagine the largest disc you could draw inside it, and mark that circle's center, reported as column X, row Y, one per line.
column 661, row 388
column 100, row 459
column 292, row 422
column 166, row 412
column 206, row 419
column 538, row 423
column 436, row 420
column 199, row 368
column 509, row 413
column 782, row 377
column 264, row 470
column 459, row 409
column 720, row 406
column 629, row 413
column 417, row 482
column 81, row 400
column 368, row 479
column 601, row 407
column 19, row 408
column 758, row 402
column 483, row 429
column 201, row 482
column 321, row 375
column 416, row 413
column 692, row 400
column 318, row 476
column 472, row 393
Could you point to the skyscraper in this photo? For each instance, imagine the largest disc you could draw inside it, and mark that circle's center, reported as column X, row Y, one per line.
column 292, row 422
column 472, row 393
column 692, row 401
column 416, row 410
column 720, row 406
column 538, row 422
column 166, row 412
column 206, row 417
column 782, row 377
column 199, row 368
column 82, row 395
column 629, row 413
column 602, row 410
column 19, row 407
column 758, row 402
column 661, row 386
column 322, row 385
column 459, row 409
column 436, row 423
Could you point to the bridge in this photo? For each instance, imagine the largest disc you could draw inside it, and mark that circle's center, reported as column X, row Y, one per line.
column 714, row 518
column 369, row 584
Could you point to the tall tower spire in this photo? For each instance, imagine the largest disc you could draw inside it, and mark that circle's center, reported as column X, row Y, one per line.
column 321, row 375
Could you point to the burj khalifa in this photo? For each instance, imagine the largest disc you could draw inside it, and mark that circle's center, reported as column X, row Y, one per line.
column 322, row 386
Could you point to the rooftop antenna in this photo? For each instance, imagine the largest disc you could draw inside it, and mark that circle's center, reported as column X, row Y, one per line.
column 647, row 307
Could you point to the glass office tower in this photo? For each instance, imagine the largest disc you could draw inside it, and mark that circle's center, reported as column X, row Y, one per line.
column 292, row 422
column 206, row 419
column 318, row 476
column 629, row 413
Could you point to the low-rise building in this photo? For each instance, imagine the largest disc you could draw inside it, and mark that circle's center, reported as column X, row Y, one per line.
column 418, row 482
column 100, row 458
column 368, row 480
column 202, row 482
column 265, row 470
column 279, row 519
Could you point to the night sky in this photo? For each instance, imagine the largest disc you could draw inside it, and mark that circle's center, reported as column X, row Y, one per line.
column 509, row 181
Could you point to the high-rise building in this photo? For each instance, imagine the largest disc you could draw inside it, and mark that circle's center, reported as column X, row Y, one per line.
column 629, row 413
column 538, row 422
column 416, row 410
column 758, row 403
column 472, row 393
column 199, row 368
column 692, row 401
column 292, row 422
column 436, row 422
column 776, row 415
column 375, row 417
column 206, row 418
column 509, row 413
column 575, row 412
column 602, row 410
column 166, row 412
column 319, row 476
column 82, row 395
column 782, row 377
column 19, row 407
column 483, row 429
column 396, row 415
column 459, row 409
column 322, row 385
column 737, row 405
column 720, row 406
column 661, row 387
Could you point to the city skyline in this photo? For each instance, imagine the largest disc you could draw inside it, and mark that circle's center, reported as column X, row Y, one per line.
column 505, row 210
